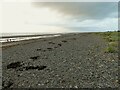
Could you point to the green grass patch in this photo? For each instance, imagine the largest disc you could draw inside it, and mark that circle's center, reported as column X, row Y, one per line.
column 110, row 49
column 112, row 38
column 113, row 44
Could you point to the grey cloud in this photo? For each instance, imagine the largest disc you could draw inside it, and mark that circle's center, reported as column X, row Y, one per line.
column 82, row 10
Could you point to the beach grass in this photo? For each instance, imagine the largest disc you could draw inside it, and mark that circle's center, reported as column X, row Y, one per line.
column 112, row 37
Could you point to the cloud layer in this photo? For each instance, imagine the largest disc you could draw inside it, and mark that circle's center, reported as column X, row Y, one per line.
column 60, row 16
column 83, row 10
column 86, row 16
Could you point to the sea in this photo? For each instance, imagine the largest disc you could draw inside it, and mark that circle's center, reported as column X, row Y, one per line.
column 12, row 37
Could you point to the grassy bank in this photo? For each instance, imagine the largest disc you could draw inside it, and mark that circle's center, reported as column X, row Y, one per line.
column 112, row 38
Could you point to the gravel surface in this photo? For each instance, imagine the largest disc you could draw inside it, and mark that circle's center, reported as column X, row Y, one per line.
column 68, row 61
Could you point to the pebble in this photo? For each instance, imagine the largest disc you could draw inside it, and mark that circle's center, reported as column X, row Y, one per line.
column 76, row 86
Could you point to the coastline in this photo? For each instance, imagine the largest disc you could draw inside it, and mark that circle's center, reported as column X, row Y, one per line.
column 14, row 43
column 70, row 61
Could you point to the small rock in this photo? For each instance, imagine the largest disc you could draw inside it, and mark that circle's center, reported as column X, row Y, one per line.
column 70, row 86
column 49, row 48
column 34, row 58
column 59, row 44
column 39, row 84
column 51, row 42
column 39, row 49
column 64, row 41
column 76, row 86
column 14, row 65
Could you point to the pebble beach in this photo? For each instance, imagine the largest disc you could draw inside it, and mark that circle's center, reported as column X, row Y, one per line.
column 75, row 60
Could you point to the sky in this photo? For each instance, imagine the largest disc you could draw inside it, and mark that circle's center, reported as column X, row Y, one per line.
column 56, row 17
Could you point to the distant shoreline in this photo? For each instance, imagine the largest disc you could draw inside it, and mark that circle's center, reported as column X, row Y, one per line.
column 14, row 43
column 40, row 34
column 26, row 35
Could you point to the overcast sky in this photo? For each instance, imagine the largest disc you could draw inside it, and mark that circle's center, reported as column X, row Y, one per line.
column 60, row 16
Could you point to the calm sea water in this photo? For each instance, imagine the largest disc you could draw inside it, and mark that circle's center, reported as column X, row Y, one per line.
column 9, row 37
column 23, row 34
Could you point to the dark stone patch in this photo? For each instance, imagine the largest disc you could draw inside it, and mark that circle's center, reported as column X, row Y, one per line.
column 35, row 67
column 14, row 65
column 63, row 81
column 39, row 49
column 59, row 44
column 6, row 85
column 55, row 47
column 49, row 48
column 51, row 42
column 35, row 57
column 64, row 41
column 18, row 75
column 43, row 50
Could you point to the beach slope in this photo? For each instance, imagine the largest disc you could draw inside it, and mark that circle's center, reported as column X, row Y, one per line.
column 76, row 60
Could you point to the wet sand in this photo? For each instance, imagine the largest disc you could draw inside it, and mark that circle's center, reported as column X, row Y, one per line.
column 68, row 61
